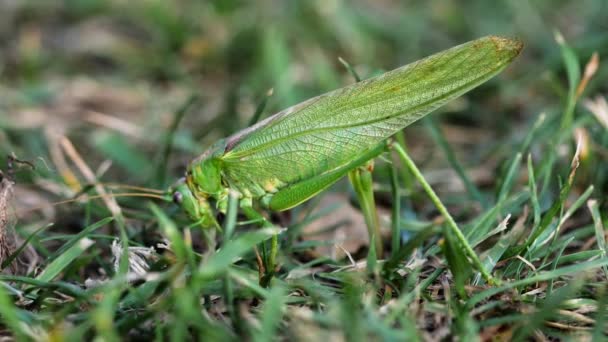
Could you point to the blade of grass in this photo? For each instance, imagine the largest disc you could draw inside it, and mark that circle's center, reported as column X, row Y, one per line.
column 509, row 180
column 350, row 69
column 547, row 310
column 103, row 315
column 555, row 262
column 229, row 226
column 439, row 138
column 539, row 277
column 122, row 153
column 533, row 192
column 600, row 233
column 83, row 233
column 599, row 330
column 547, row 219
column 457, row 262
column 250, row 280
column 67, row 288
column 9, row 314
column 350, row 310
column 493, row 255
column 272, row 313
column 65, row 259
column 540, row 243
column 573, row 72
column 163, row 163
column 218, row 263
column 259, row 110
column 525, row 145
column 481, row 229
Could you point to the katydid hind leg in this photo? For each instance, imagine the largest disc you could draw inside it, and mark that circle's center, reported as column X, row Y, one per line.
column 300, row 192
column 451, row 224
column 270, row 256
column 361, row 180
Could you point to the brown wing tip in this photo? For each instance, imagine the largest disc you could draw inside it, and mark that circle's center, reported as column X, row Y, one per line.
column 510, row 47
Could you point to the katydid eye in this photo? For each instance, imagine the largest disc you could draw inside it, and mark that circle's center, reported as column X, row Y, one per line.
column 177, row 197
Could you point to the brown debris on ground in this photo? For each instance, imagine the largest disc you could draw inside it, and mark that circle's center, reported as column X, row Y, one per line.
column 27, row 260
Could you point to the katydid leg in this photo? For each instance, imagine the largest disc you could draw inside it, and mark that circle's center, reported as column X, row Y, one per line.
column 362, row 182
column 299, row 192
column 361, row 179
column 269, row 257
column 467, row 249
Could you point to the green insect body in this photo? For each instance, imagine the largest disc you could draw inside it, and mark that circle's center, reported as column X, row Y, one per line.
column 293, row 155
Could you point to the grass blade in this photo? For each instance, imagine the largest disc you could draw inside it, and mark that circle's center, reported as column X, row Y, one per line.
column 63, row 261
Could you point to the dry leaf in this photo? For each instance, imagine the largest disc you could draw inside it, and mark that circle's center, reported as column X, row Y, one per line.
column 9, row 241
column 590, row 70
column 599, row 108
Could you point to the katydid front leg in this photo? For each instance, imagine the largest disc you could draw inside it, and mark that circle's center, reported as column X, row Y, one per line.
column 269, row 258
column 361, row 179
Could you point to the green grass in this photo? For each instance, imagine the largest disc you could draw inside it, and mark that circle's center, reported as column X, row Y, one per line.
column 142, row 88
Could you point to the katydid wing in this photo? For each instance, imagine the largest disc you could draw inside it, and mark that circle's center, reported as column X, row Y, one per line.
column 326, row 133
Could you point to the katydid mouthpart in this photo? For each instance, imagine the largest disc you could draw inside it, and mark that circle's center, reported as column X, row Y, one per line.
column 293, row 155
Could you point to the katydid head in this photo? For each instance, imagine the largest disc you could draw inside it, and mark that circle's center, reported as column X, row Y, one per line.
column 196, row 207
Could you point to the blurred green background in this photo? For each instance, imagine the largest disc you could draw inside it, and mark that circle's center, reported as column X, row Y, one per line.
column 142, row 87
column 112, row 74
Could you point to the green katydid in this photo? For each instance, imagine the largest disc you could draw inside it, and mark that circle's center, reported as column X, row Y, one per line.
column 293, row 155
